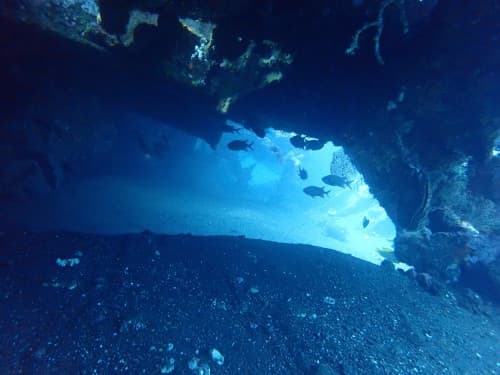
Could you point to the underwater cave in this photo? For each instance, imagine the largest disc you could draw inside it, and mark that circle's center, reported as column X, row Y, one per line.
column 248, row 187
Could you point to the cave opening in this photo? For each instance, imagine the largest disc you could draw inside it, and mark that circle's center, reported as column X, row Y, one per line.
column 145, row 175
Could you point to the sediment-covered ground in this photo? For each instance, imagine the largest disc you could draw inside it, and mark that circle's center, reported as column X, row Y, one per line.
column 152, row 304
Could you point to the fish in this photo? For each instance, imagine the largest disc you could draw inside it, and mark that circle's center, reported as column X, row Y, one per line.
column 387, row 253
column 240, row 145
column 302, row 173
column 334, row 180
column 316, row 191
column 305, row 143
column 366, row 221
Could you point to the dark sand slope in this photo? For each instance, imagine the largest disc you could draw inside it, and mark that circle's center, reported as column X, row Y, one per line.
column 143, row 304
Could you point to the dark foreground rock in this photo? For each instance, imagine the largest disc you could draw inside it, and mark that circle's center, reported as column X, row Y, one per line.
column 149, row 304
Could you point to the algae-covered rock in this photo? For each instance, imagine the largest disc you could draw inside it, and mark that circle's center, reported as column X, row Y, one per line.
column 78, row 20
